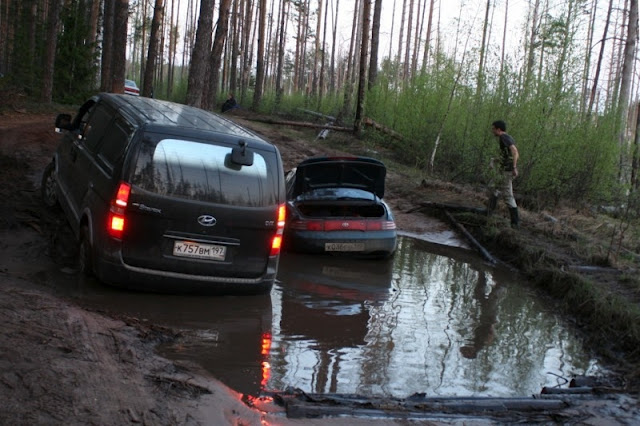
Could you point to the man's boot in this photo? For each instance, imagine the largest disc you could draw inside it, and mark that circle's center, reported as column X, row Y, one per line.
column 515, row 220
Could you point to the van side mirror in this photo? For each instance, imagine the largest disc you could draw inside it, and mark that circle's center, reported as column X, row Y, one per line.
column 63, row 122
column 241, row 154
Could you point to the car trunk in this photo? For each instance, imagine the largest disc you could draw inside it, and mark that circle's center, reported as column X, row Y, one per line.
column 361, row 173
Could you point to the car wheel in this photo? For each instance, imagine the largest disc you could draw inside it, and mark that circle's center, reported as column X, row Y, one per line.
column 48, row 186
column 85, row 256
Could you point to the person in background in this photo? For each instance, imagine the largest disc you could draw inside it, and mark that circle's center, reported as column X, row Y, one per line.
column 230, row 103
column 508, row 170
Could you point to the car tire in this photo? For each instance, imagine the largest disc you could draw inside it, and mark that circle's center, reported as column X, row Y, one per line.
column 85, row 254
column 49, row 187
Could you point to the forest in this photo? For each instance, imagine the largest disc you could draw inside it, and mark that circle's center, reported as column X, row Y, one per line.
column 431, row 74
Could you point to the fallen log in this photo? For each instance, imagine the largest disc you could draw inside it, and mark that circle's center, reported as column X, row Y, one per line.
column 300, row 124
column 567, row 391
column 369, row 122
column 317, row 114
column 450, row 207
column 591, row 268
column 424, row 408
column 471, row 239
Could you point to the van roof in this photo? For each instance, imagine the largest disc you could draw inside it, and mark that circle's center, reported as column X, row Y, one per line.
column 158, row 115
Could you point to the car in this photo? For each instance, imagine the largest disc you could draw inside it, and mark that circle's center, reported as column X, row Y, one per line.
column 131, row 88
column 335, row 206
column 169, row 198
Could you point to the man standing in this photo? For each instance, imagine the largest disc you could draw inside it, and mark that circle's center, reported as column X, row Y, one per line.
column 508, row 168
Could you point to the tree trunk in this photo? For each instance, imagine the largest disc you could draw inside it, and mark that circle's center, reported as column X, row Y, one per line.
column 483, row 47
column 348, row 87
column 107, row 47
column 50, row 53
column 627, row 67
column 364, row 51
column 407, row 53
column 120, row 26
column 528, row 77
column 323, row 58
column 427, row 43
column 246, row 46
column 284, row 5
column 375, row 42
column 235, row 49
column 418, row 33
column 171, row 58
column 587, row 61
column 262, row 22
column 316, row 53
column 596, row 77
column 143, row 38
column 401, row 41
column 93, row 25
column 635, row 161
column 332, row 68
column 222, row 30
column 201, row 48
column 152, row 54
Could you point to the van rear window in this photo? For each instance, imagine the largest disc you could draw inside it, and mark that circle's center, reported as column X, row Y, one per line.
column 203, row 172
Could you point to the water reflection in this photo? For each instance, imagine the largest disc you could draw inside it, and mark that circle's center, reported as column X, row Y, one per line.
column 430, row 320
column 424, row 323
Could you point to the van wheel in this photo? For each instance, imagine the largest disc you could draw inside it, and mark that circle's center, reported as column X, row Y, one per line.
column 48, row 186
column 85, row 257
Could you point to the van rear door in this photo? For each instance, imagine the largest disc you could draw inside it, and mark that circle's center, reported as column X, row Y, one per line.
column 192, row 210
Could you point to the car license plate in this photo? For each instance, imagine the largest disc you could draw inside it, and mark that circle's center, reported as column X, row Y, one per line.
column 343, row 246
column 199, row 250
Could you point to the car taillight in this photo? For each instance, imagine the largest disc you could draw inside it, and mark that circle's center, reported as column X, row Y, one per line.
column 276, row 242
column 116, row 223
column 381, row 225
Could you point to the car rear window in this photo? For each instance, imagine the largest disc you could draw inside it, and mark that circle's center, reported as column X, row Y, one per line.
column 202, row 171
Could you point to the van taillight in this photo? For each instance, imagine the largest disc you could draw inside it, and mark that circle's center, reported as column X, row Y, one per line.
column 116, row 222
column 276, row 242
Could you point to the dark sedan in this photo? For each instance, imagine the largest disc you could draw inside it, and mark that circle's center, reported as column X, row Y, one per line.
column 335, row 206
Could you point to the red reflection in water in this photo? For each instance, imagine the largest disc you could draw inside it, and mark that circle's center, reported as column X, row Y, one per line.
column 266, row 366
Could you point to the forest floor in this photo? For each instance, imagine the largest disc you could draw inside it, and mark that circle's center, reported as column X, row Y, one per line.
column 63, row 364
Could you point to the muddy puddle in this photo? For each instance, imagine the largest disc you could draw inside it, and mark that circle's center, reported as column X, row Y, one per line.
column 431, row 320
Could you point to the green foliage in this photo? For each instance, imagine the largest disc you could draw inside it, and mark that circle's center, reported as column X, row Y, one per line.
column 75, row 67
column 564, row 155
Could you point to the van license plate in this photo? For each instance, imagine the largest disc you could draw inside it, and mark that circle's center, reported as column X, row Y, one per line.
column 343, row 246
column 198, row 250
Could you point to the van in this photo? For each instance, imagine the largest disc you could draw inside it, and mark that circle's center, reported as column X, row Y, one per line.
column 166, row 197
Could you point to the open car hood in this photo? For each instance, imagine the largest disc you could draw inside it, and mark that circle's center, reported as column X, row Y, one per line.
column 340, row 172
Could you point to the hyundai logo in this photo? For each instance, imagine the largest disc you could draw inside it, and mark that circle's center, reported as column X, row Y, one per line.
column 207, row 220
column 345, row 224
